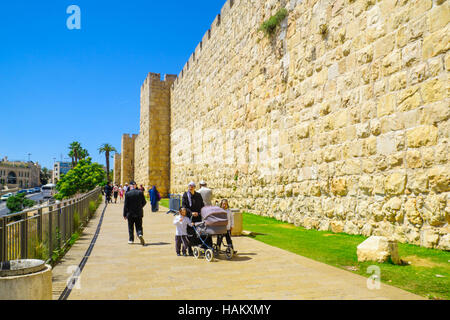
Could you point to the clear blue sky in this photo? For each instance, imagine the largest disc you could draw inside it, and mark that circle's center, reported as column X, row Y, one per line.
column 59, row 85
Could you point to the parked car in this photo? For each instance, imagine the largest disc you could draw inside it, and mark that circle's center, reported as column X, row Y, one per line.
column 30, row 191
column 5, row 196
column 22, row 191
column 37, row 189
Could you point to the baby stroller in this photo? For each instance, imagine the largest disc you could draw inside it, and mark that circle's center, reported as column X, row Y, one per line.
column 214, row 223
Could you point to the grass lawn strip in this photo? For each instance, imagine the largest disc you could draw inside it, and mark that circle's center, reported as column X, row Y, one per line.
column 428, row 274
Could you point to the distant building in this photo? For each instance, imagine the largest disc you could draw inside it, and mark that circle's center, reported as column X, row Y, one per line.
column 60, row 168
column 19, row 174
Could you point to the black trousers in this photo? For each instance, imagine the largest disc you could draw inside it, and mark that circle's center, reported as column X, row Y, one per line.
column 134, row 223
column 182, row 240
column 227, row 236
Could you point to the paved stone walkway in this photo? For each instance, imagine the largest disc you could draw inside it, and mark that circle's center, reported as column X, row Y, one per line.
column 117, row 270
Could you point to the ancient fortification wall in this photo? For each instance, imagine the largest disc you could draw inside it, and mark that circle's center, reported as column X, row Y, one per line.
column 152, row 144
column 337, row 122
column 117, row 167
column 127, row 158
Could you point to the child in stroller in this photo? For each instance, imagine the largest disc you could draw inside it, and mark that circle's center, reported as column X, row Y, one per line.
column 214, row 223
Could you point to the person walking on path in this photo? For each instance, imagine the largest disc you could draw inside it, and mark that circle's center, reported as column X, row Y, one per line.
column 206, row 193
column 121, row 193
column 115, row 192
column 108, row 191
column 133, row 211
column 155, row 197
column 181, row 221
column 194, row 202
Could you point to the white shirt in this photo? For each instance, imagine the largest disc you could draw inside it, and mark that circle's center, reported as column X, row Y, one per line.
column 230, row 219
column 206, row 194
column 181, row 225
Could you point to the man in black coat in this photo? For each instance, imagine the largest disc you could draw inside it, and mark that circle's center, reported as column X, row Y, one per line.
column 193, row 201
column 133, row 211
column 108, row 190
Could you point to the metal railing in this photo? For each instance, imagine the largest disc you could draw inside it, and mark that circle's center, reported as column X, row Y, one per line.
column 37, row 232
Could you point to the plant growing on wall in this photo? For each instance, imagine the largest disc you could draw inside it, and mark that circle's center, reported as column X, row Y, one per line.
column 270, row 26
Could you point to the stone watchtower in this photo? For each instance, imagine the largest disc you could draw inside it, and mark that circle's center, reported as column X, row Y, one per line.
column 127, row 158
column 117, row 167
column 152, row 146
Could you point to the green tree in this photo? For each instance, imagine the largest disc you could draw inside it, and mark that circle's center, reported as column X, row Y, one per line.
column 106, row 148
column 83, row 178
column 45, row 176
column 19, row 202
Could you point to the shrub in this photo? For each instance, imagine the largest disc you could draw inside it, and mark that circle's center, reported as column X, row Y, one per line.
column 92, row 207
column 269, row 26
column 40, row 251
column 18, row 203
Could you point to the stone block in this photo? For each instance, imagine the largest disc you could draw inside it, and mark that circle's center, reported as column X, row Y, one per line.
column 378, row 249
column 436, row 43
column 337, row 226
column 413, row 215
column 395, row 183
column 433, row 90
column 429, row 237
column 418, row 182
column 438, row 17
column 439, row 178
column 339, row 186
column 422, row 136
column 386, row 105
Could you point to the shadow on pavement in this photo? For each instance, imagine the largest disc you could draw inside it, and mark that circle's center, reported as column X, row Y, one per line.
column 156, row 244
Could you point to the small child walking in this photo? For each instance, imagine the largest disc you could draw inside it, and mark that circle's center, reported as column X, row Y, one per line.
column 230, row 225
column 181, row 221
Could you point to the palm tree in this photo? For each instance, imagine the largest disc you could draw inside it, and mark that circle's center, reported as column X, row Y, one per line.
column 75, row 150
column 106, row 148
column 83, row 154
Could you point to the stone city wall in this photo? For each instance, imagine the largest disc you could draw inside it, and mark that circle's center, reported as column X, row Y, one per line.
column 337, row 122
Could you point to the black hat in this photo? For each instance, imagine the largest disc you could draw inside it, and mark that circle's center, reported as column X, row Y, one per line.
column 132, row 183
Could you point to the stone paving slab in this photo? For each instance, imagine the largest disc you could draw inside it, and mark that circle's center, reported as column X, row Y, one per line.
column 117, row 270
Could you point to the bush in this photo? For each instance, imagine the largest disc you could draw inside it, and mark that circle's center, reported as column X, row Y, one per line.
column 269, row 26
column 18, row 203
column 93, row 205
column 40, row 250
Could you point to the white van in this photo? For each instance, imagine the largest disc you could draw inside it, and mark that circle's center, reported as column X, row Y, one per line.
column 49, row 190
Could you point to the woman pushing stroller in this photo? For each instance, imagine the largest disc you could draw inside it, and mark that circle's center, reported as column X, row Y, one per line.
column 193, row 201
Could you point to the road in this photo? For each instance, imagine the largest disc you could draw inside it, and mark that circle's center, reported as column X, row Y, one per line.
column 35, row 197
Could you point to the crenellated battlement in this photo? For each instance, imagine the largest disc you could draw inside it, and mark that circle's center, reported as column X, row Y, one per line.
column 216, row 24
